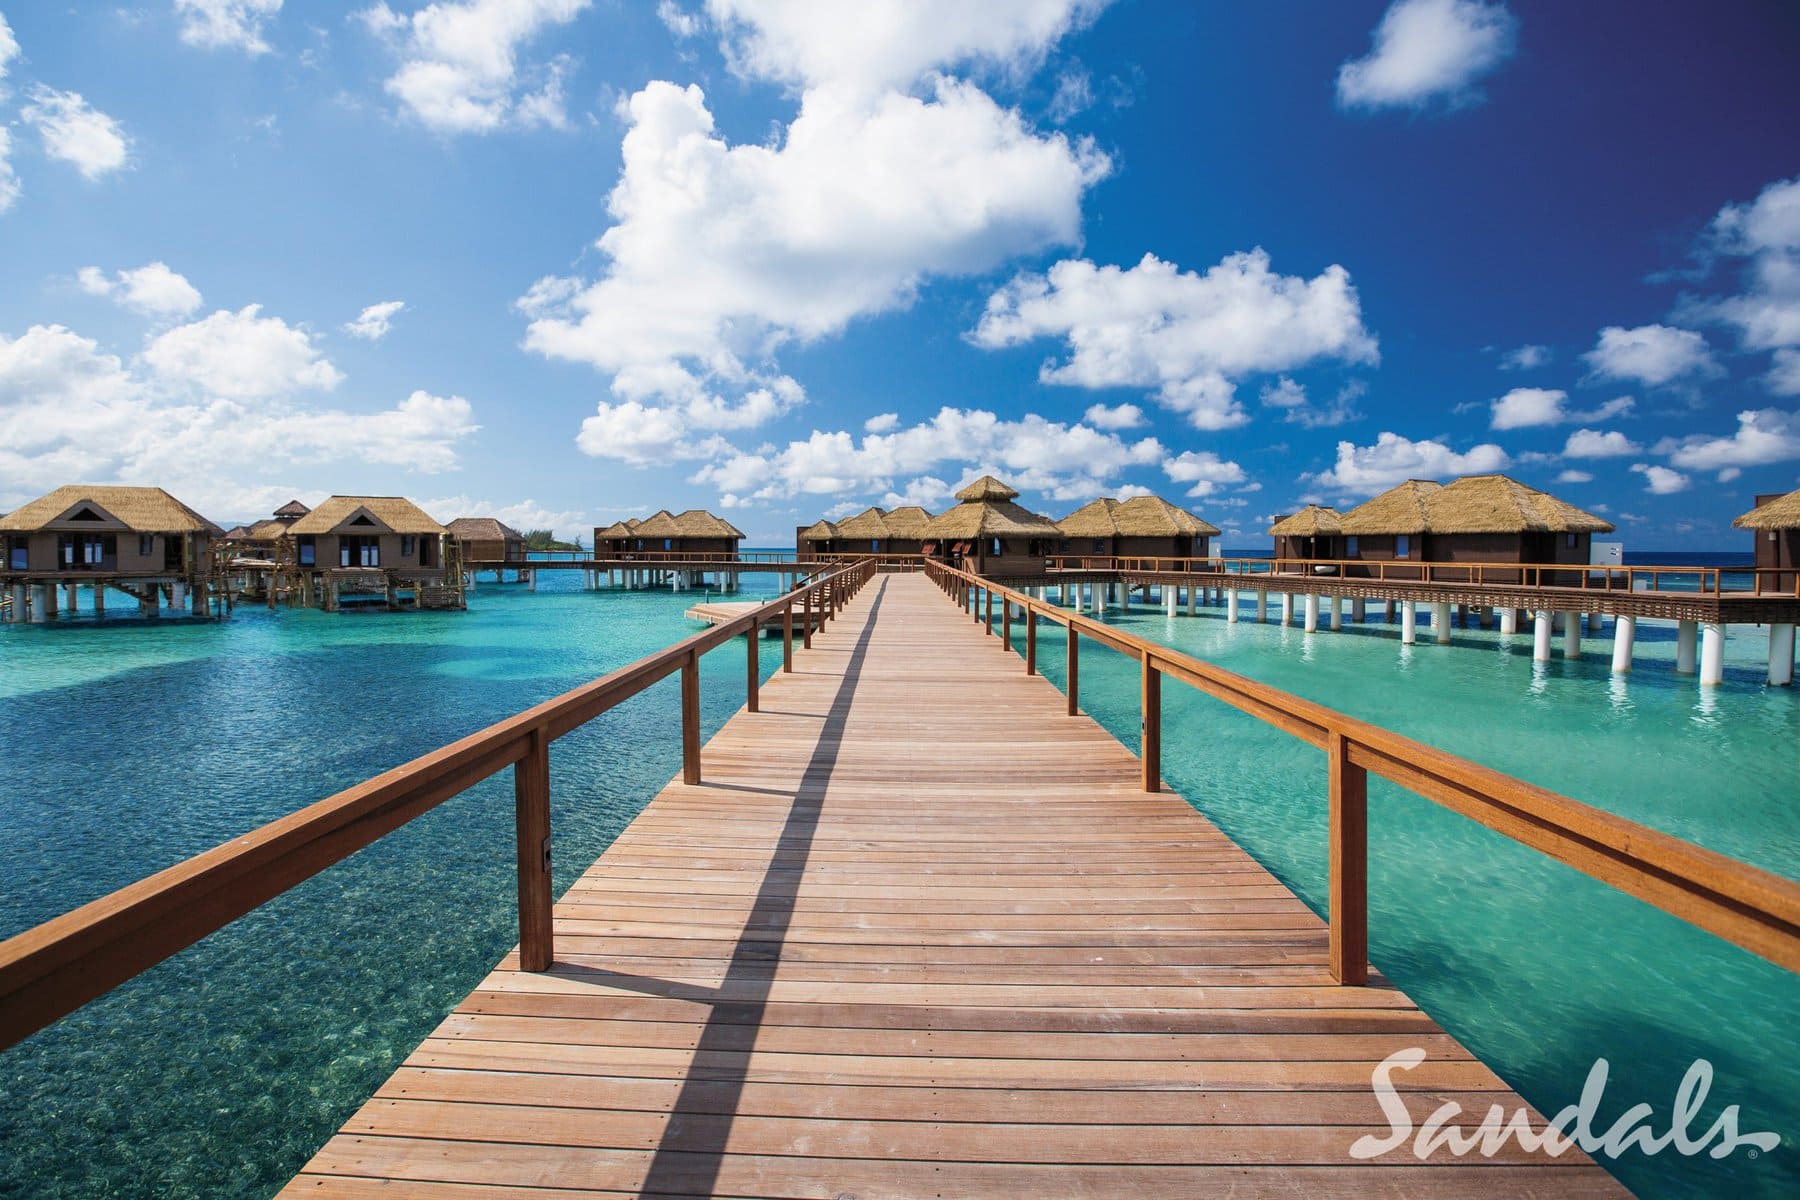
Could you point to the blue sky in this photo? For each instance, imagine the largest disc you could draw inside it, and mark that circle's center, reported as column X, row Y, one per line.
column 570, row 260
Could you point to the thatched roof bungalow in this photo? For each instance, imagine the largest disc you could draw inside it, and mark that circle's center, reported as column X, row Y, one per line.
column 487, row 539
column 1776, row 523
column 259, row 539
column 1316, row 531
column 388, row 533
column 83, row 530
column 1477, row 518
column 695, row 533
column 1141, row 527
column 990, row 534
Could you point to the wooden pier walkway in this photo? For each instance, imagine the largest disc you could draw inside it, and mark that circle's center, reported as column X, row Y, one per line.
column 920, row 933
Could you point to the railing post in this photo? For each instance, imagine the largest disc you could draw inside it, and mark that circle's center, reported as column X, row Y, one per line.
column 753, row 683
column 1030, row 640
column 1006, row 624
column 806, row 621
column 1349, row 801
column 989, row 592
column 531, row 799
column 787, row 638
column 1150, row 741
column 690, row 718
column 1074, row 669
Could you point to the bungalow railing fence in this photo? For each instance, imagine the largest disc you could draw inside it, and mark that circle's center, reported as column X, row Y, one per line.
column 1752, row 908
column 1705, row 580
column 50, row 971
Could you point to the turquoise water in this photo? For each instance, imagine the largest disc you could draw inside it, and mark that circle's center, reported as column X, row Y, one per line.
column 1537, row 968
column 220, row 1072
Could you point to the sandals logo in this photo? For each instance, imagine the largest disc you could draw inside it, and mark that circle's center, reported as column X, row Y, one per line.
column 1573, row 1126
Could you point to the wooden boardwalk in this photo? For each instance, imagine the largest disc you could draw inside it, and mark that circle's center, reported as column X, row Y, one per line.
column 919, row 933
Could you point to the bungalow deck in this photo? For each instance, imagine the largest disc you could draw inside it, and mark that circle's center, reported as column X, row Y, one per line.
column 919, row 932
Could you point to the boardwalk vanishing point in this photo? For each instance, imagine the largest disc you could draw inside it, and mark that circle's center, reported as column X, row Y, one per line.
column 919, row 932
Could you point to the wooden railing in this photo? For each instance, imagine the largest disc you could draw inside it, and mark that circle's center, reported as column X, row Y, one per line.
column 1750, row 907
column 1706, row 581
column 50, row 971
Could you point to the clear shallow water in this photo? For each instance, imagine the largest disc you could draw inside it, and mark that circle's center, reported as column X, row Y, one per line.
column 221, row 1071
column 1537, row 968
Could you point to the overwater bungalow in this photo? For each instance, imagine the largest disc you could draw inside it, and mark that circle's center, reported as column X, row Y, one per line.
column 257, row 541
column 696, row 533
column 815, row 541
column 1141, row 527
column 615, row 540
column 1316, row 531
column 1475, row 519
column 138, row 540
column 991, row 535
column 1776, row 523
column 367, row 547
column 487, row 539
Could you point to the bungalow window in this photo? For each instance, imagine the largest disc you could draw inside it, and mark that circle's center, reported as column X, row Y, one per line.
column 21, row 554
column 874, row 545
column 1350, row 547
column 146, row 545
column 999, row 548
column 1099, row 545
column 356, row 551
column 1571, row 542
column 1402, row 545
column 308, row 552
column 409, row 545
column 668, row 543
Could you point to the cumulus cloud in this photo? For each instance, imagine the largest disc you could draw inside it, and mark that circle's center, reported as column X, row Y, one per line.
column 1428, row 50
column 1595, row 443
column 241, row 355
column 1653, row 355
column 1115, row 416
column 226, row 24
column 1525, row 358
column 1074, row 95
column 1661, row 481
column 459, row 62
column 373, row 322
column 1297, row 408
column 1764, row 435
column 882, row 423
column 9, row 50
column 679, row 21
column 1765, row 234
column 1187, row 335
column 76, row 132
column 1573, row 476
column 9, row 179
column 523, row 515
column 70, row 409
column 1204, row 470
column 1524, row 408
column 1365, row 470
column 152, row 289
column 1784, row 366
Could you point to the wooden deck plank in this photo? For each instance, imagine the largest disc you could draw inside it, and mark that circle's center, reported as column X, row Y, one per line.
column 919, row 932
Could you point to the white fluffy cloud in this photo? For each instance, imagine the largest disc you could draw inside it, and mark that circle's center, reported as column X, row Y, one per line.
column 1652, row 355
column 1525, row 358
column 1524, row 408
column 1573, row 476
column 1297, row 408
column 69, row 410
column 9, row 49
column 1764, row 435
column 1661, row 481
column 1115, row 416
column 9, row 179
column 1187, row 335
column 1766, row 313
column 373, row 322
column 1427, row 50
column 241, row 355
column 152, row 289
column 523, row 515
column 226, row 24
column 1595, row 443
column 1204, row 470
column 459, row 70
column 1784, row 366
column 1365, row 470
column 76, row 132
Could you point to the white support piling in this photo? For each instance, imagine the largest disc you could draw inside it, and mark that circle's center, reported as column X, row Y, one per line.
column 1781, row 654
column 1624, row 635
column 1124, row 596
column 1409, row 623
column 1712, row 654
column 1685, row 636
column 1169, row 597
column 1337, row 613
column 1191, row 601
column 1540, row 642
column 1358, row 609
column 1440, row 622
column 40, row 604
column 1287, row 608
column 1262, row 605
column 1312, row 612
column 1572, row 635
column 1231, row 607
column 19, row 594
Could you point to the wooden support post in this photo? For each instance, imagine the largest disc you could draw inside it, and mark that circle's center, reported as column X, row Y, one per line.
column 1006, row 625
column 690, row 719
column 806, row 622
column 753, row 684
column 1150, row 742
column 1074, row 670
column 531, row 795
column 1031, row 641
column 990, row 610
column 1349, row 792
column 787, row 638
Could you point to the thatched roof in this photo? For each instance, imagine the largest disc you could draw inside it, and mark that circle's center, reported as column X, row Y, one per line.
column 660, row 524
column 483, row 529
column 238, row 533
column 397, row 513
column 987, row 488
column 698, row 523
column 1315, row 520
column 867, row 524
column 1472, row 504
column 617, row 529
column 990, row 518
column 138, row 509
column 293, row 508
column 1783, row 512
column 819, row 531
column 907, row 521
column 1140, row 516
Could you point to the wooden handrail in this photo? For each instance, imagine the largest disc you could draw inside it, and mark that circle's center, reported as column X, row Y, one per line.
column 1752, row 908
column 51, row 970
